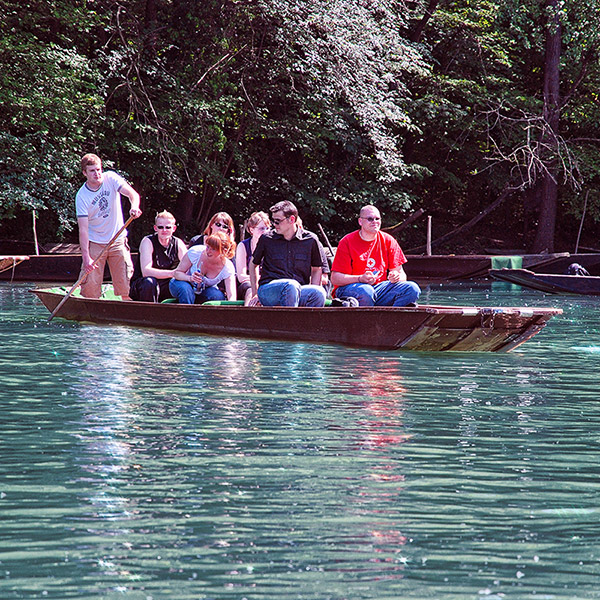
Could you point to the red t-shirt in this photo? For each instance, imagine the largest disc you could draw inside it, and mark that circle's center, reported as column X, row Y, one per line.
column 354, row 255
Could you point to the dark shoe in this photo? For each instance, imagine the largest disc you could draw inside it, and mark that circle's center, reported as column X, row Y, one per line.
column 411, row 305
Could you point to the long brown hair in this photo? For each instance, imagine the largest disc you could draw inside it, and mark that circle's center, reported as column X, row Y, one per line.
column 220, row 242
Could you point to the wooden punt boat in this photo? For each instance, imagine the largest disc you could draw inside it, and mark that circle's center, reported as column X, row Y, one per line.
column 9, row 263
column 550, row 282
column 425, row 328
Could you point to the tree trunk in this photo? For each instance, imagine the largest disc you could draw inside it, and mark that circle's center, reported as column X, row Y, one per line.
column 150, row 25
column 417, row 33
column 547, row 186
column 184, row 207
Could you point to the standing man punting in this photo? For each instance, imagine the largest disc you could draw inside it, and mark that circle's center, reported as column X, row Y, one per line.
column 99, row 217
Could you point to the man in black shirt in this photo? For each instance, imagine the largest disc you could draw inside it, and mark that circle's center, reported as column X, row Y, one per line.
column 290, row 260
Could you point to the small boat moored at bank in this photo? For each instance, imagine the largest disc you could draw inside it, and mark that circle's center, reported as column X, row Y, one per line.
column 425, row 328
column 551, row 283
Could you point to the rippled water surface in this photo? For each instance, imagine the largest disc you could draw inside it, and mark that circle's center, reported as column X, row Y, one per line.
column 147, row 465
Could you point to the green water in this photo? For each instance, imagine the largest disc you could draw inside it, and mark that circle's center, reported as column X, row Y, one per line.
column 152, row 466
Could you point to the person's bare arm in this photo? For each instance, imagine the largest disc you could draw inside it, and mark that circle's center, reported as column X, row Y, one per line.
column 134, row 200
column 253, row 271
column 231, row 288
column 181, row 271
column 240, row 264
column 181, row 249
column 84, row 244
column 315, row 275
column 339, row 279
column 397, row 275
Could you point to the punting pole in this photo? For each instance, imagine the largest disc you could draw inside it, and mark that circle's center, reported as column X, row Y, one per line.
column 429, row 235
column 82, row 277
column 326, row 240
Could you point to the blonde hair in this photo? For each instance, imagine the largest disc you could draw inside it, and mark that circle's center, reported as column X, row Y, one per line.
column 165, row 214
column 256, row 218
column 220, row 242
column 221, row 216
column 90, row 159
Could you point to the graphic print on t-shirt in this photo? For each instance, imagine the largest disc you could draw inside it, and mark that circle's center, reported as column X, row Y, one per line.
column 102, row 201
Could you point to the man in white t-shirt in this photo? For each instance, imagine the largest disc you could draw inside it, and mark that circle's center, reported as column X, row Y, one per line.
column 99, row 217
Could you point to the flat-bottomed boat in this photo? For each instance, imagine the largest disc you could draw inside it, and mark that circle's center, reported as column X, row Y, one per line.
column 425, row 327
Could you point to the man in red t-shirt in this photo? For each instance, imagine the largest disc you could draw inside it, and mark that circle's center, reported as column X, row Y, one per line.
column 368, row 266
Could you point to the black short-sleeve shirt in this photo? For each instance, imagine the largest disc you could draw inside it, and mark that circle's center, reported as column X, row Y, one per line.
column 287, row 259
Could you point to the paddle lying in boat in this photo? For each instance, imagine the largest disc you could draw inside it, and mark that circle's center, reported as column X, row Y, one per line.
column 550, row 283
column 426, row 327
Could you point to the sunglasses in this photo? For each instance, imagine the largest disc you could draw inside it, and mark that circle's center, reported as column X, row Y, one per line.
column 278, row 221
column 371, row 219
column 222, row 226
column 164, row 226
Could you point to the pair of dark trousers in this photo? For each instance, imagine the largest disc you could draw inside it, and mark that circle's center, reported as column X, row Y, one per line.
column 150, row 289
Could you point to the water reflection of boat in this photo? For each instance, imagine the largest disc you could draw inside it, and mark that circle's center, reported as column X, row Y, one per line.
column 425, row 328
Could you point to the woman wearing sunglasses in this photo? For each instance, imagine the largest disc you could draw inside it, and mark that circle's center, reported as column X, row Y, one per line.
column 203, row 269
column 160, row 253
column 220, row 221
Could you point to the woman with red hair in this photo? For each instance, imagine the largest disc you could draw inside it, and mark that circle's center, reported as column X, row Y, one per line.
column 203, row 269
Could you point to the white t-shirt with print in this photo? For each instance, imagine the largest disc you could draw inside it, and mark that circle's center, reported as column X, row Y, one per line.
column 102, row 208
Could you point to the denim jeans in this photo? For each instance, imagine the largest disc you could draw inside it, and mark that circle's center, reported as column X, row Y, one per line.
column 288, row 292
column 385, row 293
column 184, row 293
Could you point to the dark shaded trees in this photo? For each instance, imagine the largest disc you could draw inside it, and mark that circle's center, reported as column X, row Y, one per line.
column 232, row 105
column 511, row 87
column 49, row 100
column 281, row 98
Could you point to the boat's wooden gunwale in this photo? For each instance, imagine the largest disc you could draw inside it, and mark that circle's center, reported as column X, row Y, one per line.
column 10, row 262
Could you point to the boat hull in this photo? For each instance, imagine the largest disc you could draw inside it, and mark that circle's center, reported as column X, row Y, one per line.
column 550, row 283
column 423, row 328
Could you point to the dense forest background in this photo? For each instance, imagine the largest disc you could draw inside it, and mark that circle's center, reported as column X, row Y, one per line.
column 466, row 110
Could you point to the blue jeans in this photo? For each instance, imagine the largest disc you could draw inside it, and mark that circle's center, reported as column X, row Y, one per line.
column 385, row 293
column 288, row 292
column 184, row 293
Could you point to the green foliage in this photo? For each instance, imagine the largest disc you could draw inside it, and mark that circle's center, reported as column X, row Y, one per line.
column 481, row 108
column 229, row 105
column 49, row 102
